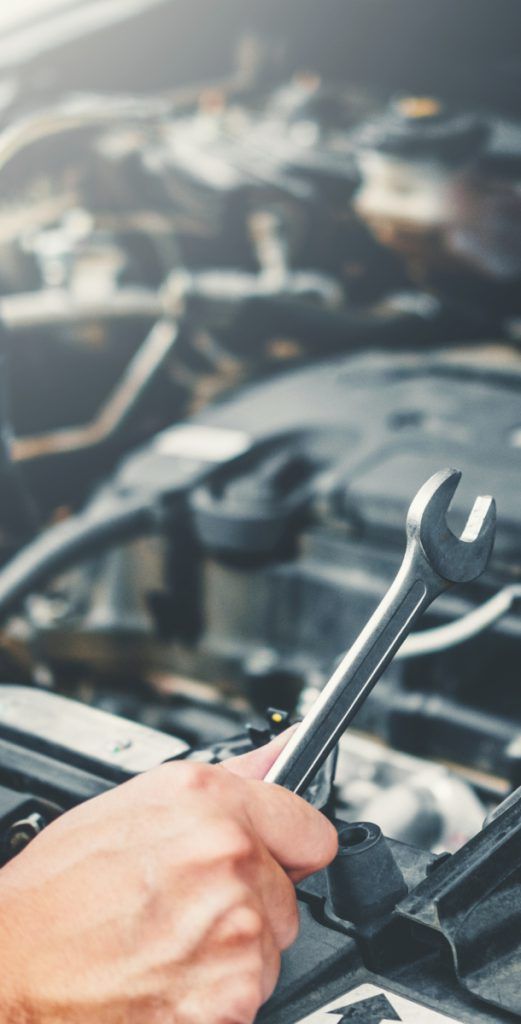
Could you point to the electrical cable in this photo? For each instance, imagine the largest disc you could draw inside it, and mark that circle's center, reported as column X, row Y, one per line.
column 64, row 545
column 452, row 634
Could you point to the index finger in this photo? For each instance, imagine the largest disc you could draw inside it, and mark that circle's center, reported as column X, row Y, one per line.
column 298, row 836
column 257, row 763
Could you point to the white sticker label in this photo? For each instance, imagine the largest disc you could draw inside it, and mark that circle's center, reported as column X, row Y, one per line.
column 368, row 1004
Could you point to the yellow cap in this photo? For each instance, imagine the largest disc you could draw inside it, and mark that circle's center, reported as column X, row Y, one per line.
column 416, row 107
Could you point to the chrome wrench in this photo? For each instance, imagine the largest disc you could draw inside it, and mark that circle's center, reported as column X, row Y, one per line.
column 435, row 559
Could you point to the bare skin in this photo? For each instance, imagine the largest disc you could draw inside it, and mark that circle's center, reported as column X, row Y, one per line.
column 166, row 901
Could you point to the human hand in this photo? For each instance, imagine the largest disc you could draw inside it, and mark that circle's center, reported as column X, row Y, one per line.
column 167, row 900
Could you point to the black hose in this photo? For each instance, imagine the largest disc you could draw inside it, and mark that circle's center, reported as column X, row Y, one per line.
column 324, row 332
column 80, row 537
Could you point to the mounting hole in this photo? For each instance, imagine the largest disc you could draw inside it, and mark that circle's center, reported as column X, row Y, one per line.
column 357, row 835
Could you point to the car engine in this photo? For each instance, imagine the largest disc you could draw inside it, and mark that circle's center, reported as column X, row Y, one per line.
column 243, row 318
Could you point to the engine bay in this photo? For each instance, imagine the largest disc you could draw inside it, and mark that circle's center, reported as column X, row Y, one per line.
column 242, row 321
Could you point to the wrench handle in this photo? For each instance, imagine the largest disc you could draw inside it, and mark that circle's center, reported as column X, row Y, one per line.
column 352, row 681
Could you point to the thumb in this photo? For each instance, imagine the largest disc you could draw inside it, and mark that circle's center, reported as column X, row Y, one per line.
column 256, row 763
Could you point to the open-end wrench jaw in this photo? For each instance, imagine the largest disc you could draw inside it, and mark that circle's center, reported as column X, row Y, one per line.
column 454, row 559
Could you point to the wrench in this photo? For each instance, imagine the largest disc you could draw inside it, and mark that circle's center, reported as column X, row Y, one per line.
column 434, row 560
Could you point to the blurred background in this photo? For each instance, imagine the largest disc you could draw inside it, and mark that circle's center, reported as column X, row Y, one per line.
column 259, row 278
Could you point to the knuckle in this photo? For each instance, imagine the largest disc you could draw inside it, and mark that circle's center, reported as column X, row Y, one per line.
column 244, row 924
column 193, row 777
column 233, row 843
